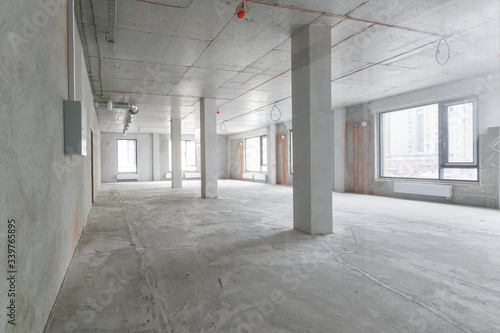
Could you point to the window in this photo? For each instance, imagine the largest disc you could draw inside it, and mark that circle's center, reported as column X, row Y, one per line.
column 127, row 156
column 256, row 154
column 188, row 150
column 188, row 155
column 434, row 141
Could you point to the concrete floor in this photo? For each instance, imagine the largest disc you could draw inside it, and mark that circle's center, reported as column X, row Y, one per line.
column 156, row 259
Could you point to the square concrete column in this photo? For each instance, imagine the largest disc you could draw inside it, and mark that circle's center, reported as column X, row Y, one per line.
column 312, row 130
column 208, row 136
column 175, row 132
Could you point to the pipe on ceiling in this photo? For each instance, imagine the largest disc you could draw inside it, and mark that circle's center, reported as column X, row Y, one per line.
column 165, row 5
column 133, row 110
column 110, row 105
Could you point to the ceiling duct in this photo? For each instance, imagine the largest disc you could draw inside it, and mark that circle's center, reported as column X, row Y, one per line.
column 133, row 110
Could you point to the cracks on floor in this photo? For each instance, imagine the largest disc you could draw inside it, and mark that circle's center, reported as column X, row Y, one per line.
column 454, row 278
column 338, row 258
column 237, row 257
column 159, row 306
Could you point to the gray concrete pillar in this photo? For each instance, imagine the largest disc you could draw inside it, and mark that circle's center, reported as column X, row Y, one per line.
column 156, row 156
column 312, row 130
column 208, row 136
column 271, row 154
column 175, row 132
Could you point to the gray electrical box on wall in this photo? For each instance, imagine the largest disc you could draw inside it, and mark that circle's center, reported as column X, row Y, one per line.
column 75, row 128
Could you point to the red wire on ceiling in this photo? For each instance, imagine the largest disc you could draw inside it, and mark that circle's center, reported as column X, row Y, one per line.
column 317, row 12
column 243, row 7
column 244, row 10
column 165, row 5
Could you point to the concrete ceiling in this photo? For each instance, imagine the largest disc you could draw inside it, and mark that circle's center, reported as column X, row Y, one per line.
column 167, row 58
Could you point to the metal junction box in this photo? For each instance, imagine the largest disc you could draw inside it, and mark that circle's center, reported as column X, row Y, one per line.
column 75, row 128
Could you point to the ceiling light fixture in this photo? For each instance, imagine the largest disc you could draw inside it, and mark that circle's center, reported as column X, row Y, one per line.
column 242, row 9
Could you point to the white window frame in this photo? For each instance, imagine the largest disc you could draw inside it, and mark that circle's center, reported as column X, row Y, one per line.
column 262, row 166
column 443, row 144
column 118, row 157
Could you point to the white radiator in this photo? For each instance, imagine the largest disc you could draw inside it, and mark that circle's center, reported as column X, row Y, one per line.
column 424, row 189
column 127, row 176
column 191, row 175
column 261, row 177
column 247, row 176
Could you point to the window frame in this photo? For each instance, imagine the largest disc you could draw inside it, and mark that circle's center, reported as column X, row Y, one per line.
column 184, row 168
column 190, row 167
column 118, row 158
column 262, row 167
column 443, row 140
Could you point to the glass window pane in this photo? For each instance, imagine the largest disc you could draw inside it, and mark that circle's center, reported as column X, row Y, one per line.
column 183, row 155
column 460, row 174
column 410, row 143
column 127, row 156
column 252, row 154
column 170, row 155
column 189, row 156
column 264, row 150
column 461, row 133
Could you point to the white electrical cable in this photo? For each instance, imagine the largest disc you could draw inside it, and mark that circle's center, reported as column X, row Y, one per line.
column 223, row 127
column 438, row 51
column 271, row 113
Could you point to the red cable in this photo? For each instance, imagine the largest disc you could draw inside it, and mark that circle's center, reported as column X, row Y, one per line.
column 345, row 40
column 242, row 7
column 343, row 17
column 164, row 5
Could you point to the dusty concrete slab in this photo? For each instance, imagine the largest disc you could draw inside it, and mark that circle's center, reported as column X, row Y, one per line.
column 157, row 259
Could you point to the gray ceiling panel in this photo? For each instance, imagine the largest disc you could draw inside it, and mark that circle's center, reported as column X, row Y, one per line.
column 166, row 58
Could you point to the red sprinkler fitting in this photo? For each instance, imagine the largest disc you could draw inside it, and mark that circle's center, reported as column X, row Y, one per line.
column 242, row 9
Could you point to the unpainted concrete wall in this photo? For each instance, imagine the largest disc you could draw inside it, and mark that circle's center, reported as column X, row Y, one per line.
column 361, row 143
column 236, row 153
column 47, row 193
column 144, row 155
column 283, row 158
column 222, row 158
column 163, row 156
